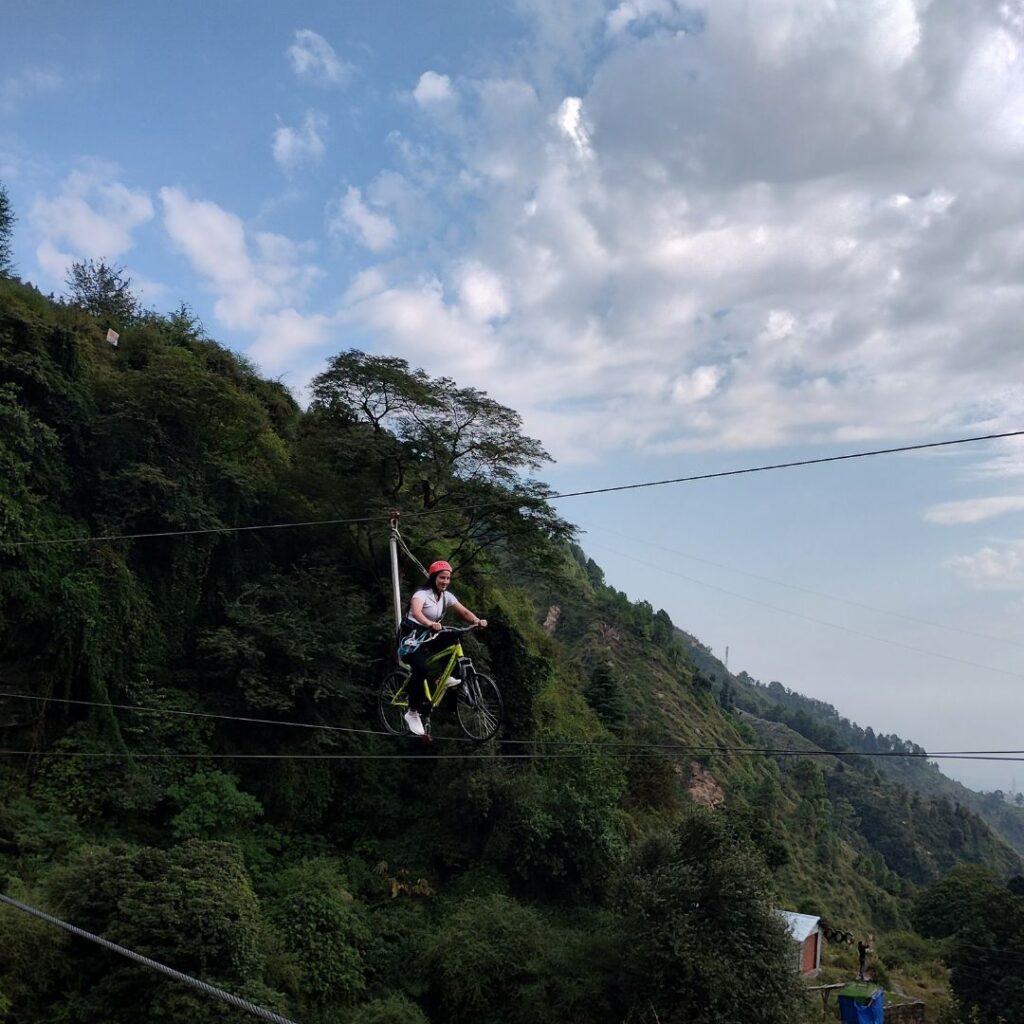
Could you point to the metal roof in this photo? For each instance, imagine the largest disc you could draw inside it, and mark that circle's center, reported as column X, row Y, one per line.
column 800, row 925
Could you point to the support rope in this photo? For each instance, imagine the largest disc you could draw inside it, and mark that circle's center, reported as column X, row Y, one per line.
column 203, row 986
column 405, row 548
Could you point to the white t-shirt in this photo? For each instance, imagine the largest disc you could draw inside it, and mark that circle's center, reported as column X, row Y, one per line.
column 433, row 607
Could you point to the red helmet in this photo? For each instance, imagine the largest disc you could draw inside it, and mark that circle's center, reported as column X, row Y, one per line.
column 438, row 566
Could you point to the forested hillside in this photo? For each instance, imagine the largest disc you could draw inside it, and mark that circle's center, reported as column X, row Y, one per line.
column 821, row 724
column 613, row 856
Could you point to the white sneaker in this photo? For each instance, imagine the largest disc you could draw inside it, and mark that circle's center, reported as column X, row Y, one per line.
column 451, row 683
column 412, row 719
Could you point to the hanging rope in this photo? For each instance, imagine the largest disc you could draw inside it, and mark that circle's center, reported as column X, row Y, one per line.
column 408, row 554
column 202, row 986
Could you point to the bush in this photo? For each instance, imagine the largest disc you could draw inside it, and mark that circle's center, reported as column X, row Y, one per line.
column 702, row 941
column 903, row 949
column 496, row 961
column 394, row 1009
column 324, row 932
column 212, row 806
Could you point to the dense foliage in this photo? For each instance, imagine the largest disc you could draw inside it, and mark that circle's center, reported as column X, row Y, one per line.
column 583, row 884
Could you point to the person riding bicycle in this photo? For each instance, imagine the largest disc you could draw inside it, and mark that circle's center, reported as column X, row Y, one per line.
column 422, row 634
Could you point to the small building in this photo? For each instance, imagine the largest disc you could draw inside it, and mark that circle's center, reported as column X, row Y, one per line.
column 805, row 931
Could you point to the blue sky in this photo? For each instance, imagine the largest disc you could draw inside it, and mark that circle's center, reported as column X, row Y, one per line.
column 677, row 238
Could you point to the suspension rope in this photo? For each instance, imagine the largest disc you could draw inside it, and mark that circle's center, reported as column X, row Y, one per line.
column 405, row 547
column 191, row 714
column 639, row 752
column 187, row 979
column 709, row 748
column 523, row 500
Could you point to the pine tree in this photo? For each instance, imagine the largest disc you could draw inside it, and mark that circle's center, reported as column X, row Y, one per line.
column 604, row 694
column 7, row 220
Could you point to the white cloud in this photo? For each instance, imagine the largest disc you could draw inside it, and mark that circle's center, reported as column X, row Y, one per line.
column 416, row 320
column 313, row 58
column 302, row 145
column 284, row 334
column 974, row 510
column 992, row 568
column 570, row 119
column 93, row 216
column 698, row 385
column 350, row 215
column 636, row 14
column 481, row 293
column 433, row 88
column 258, row 280
column 16, row 88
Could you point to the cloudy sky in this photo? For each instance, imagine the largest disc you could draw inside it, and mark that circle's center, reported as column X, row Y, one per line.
column 678, row 239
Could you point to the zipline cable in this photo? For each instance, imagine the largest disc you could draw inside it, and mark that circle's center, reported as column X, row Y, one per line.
column 57, row 541
column 203, row 986
column 557, row 755
column 712, row 748
column 521, row 500
column 190, row 714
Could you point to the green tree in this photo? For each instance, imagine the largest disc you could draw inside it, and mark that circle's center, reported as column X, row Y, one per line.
column 605, row 695
column 435, row 446
column 211, row 806
column 702, row 941
column 325, row 933
column 104, row 291
column 7, row 220
column 495, row 961
column 192, row 907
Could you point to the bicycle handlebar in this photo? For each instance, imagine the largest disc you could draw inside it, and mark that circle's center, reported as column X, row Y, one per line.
column 453, row 629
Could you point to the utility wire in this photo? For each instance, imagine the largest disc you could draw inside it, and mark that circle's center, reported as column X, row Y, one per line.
column 811, row 618
column 187, row 979
column 713, row 748
column 809, row 590
column 190, row 714
column 611, row 744
column 60, row 541
column 783, row 465
column 521, row 500
column 557, row 755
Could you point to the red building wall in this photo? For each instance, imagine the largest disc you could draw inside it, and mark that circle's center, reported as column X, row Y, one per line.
column 810, row 953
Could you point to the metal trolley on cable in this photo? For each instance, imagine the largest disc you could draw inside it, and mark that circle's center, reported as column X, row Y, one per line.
column 478, row 703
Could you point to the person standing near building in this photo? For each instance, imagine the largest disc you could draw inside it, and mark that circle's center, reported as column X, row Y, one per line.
column 863, row 948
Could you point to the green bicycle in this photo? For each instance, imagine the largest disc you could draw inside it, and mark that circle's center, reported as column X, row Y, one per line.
column 478, row 703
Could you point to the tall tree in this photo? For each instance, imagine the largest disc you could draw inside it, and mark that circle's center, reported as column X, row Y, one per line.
column 7, row 220
column 438, row 448
column 703, row 942
column 103, row 290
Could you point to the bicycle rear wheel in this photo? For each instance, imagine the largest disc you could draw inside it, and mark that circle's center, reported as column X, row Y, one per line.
column 393, row 702
column 479, row 707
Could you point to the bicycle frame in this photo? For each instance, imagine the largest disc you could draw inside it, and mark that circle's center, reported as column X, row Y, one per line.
column 479, row 706
column 449, row 656
column 435, row 686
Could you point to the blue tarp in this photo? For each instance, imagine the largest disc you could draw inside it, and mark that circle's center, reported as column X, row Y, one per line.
column 856, row 1011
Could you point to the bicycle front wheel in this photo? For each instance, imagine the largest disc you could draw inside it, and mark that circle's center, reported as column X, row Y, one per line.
column 393, row 702
column 479, row 707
